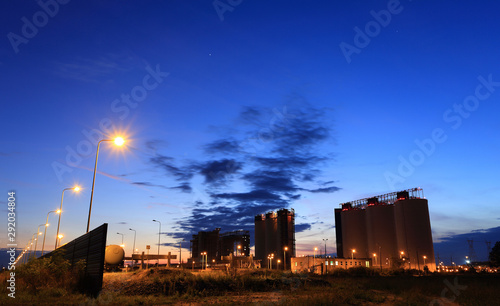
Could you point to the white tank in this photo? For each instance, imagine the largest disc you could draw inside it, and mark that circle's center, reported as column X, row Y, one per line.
column 114, row 254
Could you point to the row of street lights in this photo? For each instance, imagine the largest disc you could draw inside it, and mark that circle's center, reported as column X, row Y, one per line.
column 119, row 142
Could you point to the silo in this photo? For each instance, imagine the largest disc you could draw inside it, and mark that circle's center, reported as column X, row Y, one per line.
column 260, row 237
column 271, row 234
column 413, row 232
column 381, row 233
column 354, row 233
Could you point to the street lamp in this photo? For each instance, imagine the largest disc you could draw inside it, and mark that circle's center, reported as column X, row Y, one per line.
column 314, row 259
column 425, row 257
column 159, row 232
column 239, row 249
column 60, row 237
column 75, row 189
column 135, row 232
column 180, row 253
column 375, row 256
column 122, row 245
column 119, row 142
column 284, row 256
column 47, row 225
column 38, row 233
column 352, row 255
column 278, row 261
column 204, row 260
column 325, row 240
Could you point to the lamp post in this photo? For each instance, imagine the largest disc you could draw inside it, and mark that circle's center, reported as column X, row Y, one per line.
column 239, row 249
column 159, row 232
column 375, row 257
column 325, row 240
column 135, row 233
column 31, row 243
column 60, row 237
column 119, row 142
column 278, row 264
column 425, row 257
column 284, row 256
column 47, row 225
column 352, row 255
column 204, row 259
column 122, row 245
column 314, row 259
column 180, row 253
column 76, row 189
column 38, row 233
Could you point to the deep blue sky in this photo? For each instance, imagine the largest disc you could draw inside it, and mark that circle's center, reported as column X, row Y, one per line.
column 258, row 108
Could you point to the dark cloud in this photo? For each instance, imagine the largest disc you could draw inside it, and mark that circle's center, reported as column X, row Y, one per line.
column 167, row 164
column 184, row 187
column 218, row 171
column 325, row 190
column 302, row 227
column 223, row 146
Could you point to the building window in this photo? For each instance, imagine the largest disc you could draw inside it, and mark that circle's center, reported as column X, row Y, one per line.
column 367, row 264
column 331, row 263
column 326, row 263
column 295, row 263
column 337, row 263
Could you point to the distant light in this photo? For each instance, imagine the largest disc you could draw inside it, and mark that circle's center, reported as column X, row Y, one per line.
column 77, row 188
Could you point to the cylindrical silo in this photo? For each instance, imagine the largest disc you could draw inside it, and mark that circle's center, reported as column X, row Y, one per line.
column 260, row 237
column 271, row 234
column 381, row 234
column 354, row 233
column 413, row 233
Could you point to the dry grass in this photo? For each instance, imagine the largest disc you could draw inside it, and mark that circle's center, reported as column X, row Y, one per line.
column 167, row 287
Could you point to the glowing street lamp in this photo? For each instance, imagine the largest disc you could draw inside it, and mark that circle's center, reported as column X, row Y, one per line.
column 75, row 189
column 119, row 142
column 60, row 237
column 375, row 256
column 38, row 233
column 159, row 232
column 352, row 255
column 314, row 259
column 47, row 225
column 239, row 249
column 425, row 257
column 122, row 245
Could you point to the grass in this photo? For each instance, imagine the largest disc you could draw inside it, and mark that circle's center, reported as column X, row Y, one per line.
column 160, row 287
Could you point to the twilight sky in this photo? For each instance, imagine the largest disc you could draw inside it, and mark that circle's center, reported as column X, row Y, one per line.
column 235, row 108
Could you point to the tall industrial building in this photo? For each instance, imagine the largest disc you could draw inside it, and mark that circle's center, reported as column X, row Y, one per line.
column 389, row 228
column 275, row 234
column 218, row 244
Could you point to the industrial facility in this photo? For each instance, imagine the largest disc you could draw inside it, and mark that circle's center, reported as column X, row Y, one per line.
column 392, row 229
column 275, row 236
column 214, row 245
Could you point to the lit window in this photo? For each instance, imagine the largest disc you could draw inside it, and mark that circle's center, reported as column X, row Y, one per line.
column 326, row 263
column 295, row 263
column 337, row 263
column 331, row 263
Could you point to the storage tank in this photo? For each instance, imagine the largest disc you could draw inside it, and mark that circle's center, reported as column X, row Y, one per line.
column 271, row 234
column 260, row 237
column 114, row 255
column 413, row 232
column 354, row 233
column 381, row 234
